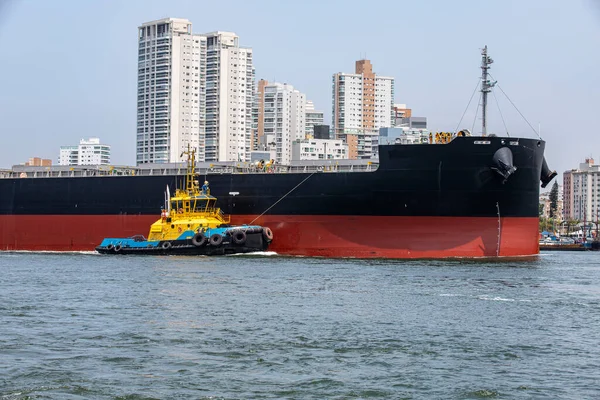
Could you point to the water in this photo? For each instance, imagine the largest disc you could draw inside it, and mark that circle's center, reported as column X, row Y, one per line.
column 82, row 326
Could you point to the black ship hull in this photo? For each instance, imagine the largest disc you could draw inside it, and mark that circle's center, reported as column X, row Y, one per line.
column 450, row 200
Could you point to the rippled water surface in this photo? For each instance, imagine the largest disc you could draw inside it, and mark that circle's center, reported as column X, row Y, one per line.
column 84, row 326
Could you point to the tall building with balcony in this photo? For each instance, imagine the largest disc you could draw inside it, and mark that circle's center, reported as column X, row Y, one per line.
column 581, row 192
column 171, row 91
column 258, row 109
column 229, row 98
column 88, row 152
column 313, row 117
column 362, row 103
column 283, row 120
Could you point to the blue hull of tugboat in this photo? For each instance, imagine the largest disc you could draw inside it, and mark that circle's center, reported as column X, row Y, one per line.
column 254, row 239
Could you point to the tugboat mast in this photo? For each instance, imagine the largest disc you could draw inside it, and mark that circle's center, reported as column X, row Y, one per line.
column 486, row 87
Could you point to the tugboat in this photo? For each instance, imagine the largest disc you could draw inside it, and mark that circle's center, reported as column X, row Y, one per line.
column 191, row 224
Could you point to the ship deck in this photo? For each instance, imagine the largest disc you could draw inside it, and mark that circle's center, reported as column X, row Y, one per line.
column 202, row 168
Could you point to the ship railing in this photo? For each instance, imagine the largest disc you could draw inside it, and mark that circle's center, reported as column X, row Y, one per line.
column 179, row 169
column 67, row 172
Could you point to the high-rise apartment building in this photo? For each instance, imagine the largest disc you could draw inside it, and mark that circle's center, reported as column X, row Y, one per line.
column 362, row 103
column 581, row 192
column 171, row 84
column 258, row 109
column 193, row 89
column 283, row 119
column 229, row 98
column 88, row 152
column 313, row 117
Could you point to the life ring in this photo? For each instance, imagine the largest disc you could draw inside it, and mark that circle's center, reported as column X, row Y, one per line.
column 166, row 245
column 199, row 239
column 179, row 229
column 180, row 211
column 268, row 234
column 118, row 248
column 320, row 169
column 216, row 239
column 239, row 237
column 110, row 246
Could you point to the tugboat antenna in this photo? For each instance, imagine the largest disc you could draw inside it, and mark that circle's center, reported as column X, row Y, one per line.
column 486, row 87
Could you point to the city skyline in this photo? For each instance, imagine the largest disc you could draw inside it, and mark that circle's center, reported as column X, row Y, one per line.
column 79, row 80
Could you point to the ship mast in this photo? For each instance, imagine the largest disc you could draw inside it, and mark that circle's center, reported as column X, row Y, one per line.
column 486, row 87
column 191, row 186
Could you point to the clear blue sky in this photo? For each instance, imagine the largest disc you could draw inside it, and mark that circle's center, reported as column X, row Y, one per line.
column 68, row 68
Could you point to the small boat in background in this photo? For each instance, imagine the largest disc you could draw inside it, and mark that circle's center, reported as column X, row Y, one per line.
column 192, row 224
column 567, row 244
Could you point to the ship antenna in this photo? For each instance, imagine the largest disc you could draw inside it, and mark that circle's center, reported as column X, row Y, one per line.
column 486, row 87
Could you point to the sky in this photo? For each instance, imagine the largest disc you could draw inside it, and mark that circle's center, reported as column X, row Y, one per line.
column 69, row 68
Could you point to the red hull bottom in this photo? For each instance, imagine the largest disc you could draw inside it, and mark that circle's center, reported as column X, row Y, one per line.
column 317, row 235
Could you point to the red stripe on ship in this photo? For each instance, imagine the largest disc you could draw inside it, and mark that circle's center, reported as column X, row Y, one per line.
column 327, row 236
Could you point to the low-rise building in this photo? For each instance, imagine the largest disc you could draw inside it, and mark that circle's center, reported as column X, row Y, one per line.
column 413, row 122
column 319, row 149
column 38, row 162
column 362, row 144
column 403, row 135
column 88, row 152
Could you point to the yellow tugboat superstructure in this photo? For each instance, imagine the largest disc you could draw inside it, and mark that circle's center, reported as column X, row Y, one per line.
column 190, row 209
column 191, row 223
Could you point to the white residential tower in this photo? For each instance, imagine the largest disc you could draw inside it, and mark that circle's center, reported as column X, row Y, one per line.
column 171, row 81
column 229, row 97
column 581, row 192
column 283, row 119
column 362, row 103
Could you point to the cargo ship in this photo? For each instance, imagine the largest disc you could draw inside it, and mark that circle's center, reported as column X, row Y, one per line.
column 471, row 196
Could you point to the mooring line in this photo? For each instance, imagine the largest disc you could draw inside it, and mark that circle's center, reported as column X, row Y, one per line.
column 282, row 197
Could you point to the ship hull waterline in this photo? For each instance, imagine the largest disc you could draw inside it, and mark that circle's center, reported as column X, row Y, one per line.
column 306, row 235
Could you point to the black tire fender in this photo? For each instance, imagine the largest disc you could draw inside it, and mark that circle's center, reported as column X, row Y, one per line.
column 239, row 237
column 268, row 234
column 199, row 239
column 166, row 245
column 216, row 239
